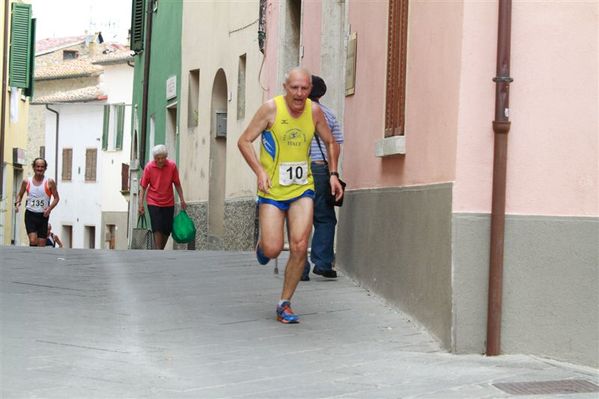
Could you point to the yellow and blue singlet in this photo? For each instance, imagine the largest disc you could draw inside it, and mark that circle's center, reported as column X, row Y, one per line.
column 285, row 153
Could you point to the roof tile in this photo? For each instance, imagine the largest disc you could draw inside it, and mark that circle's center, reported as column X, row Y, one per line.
column 86, row 94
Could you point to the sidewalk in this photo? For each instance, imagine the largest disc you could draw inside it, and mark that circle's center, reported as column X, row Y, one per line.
column 186, row 324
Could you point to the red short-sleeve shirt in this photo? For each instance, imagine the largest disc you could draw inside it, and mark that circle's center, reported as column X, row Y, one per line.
column 159, row 183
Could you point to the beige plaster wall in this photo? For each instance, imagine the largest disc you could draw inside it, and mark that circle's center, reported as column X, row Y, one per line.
column 215, row 35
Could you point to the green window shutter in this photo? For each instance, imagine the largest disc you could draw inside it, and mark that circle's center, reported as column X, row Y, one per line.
column 137, row 25
column 106, row 127
column 29, row 90
column 20, row 45
column 120, row 125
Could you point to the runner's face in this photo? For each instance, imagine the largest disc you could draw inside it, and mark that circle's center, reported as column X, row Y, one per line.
column 39, row 168
column 297, row 89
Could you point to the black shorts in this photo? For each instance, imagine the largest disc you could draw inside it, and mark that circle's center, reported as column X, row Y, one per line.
column 161, row 218
column 36, row 223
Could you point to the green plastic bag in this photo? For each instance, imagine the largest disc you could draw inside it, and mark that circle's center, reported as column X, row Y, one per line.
column 184, row 230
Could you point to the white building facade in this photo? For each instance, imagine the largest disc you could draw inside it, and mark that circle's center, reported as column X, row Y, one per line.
column 77, row 218
column 84, row 108
column 116, row 81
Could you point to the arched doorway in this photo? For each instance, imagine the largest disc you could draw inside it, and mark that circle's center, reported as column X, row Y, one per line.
column 218, row 162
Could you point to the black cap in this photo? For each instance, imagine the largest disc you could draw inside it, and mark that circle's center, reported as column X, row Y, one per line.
column 319, row 88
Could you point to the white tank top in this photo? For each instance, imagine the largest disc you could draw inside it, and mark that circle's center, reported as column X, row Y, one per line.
column 38, row 197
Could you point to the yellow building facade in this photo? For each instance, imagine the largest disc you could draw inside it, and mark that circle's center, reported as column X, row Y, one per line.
column 17, row 29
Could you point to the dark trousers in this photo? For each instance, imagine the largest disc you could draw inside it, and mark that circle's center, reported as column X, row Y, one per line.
column 322, row 253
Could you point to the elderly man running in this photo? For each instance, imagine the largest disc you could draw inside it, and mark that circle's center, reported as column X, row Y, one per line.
column 287, row 124
column 42, row 197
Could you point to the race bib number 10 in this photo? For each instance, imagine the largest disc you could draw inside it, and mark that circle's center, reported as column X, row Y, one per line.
column 293, row 173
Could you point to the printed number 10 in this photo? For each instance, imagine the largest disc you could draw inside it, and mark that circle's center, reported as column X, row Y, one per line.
column 299, row 172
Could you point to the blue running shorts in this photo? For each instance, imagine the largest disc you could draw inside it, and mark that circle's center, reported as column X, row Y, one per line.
column 285, row 204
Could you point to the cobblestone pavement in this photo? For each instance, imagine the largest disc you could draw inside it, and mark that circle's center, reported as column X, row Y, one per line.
column 184, row 324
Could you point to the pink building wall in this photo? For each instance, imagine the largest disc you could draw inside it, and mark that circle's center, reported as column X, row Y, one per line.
column 553, row 142
column 432, row 92
column 311, row 29
column 269, row 72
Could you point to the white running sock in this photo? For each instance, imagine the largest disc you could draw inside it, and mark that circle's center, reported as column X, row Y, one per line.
column 282, row 301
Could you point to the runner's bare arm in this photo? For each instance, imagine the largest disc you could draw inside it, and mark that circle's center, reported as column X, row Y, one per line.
column 181, row 199
column 57, row 241
column 261, row 121
column 55, row 197
column 20, row 195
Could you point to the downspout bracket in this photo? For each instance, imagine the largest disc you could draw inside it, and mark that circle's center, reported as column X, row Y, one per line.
column 501, row 127
column 503, row 79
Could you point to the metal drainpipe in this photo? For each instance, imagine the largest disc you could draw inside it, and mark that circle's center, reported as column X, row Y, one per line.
column 146, row 83
column 501, row 127
column 4, row 90
column 56, row 142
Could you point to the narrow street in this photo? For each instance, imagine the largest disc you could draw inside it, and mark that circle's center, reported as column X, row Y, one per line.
column 182, row 324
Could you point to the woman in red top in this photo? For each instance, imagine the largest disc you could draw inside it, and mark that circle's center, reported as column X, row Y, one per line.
column 157, row 182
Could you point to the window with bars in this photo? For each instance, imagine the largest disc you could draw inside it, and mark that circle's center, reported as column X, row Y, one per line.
column 91, row 160
column 396, row 68
column 67, row 164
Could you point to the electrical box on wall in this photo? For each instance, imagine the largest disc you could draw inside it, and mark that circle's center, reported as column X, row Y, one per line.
column 18, row 156
column 221, row 124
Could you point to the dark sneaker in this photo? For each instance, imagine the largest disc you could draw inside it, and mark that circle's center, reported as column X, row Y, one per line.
column 262, row 259
column 325, row 273
column 306, row 272
column 285, row 315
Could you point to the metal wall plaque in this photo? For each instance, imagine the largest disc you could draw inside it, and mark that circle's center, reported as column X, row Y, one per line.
column 350, row 64
column 171, row 87
column 221, row 124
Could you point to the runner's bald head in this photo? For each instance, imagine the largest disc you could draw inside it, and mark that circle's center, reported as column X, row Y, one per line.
column 297, row 86
column 298, row 71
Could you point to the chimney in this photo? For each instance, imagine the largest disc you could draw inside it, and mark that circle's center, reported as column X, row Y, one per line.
column 93, row 44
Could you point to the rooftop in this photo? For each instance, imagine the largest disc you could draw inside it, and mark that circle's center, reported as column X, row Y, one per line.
column 67, row 70
column 45, row 46
column 86, row 94
column 77, row 56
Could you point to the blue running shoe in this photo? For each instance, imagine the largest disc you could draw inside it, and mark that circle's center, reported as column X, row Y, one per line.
column 285, row 315
column 262, row 259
